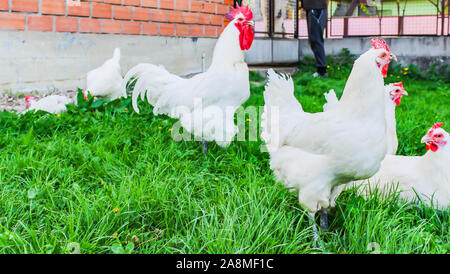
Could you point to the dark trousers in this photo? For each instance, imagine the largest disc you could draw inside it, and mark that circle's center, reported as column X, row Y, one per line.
column 317, row 20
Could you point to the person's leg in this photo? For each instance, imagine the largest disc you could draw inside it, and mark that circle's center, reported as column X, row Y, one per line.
column 317, row 20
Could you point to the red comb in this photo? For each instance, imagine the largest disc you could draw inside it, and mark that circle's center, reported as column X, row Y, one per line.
column 379, row 44
column 437, row 125
column 246, row 11
column 399, row 84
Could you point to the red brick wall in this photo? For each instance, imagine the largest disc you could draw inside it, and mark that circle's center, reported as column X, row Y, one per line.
column 145, row 17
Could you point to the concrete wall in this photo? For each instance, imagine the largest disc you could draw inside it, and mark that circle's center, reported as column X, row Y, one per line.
column 419, row 50
column 52, row 60
column 49, row 60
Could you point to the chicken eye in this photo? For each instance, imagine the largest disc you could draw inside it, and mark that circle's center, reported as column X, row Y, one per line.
column 383, row 55
column 397, row 90
column 439, row 136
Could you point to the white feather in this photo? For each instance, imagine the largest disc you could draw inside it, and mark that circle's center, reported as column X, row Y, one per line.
column 52, row 104
column 106, row 80
column 224, row 86
column 318, row 152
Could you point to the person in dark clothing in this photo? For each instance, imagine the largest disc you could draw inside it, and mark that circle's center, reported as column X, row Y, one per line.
column 316, row 18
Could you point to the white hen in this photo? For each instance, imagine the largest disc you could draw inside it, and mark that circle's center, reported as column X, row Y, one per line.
column 53, row 103
column 205, row 103
column 393, row 97
column 106, row 80
column 315, row 153
column 426, row 176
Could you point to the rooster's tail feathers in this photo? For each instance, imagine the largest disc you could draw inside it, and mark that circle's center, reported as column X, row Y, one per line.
column 116, row 55
column 279, row 103
column 331, row 99
column 149, row 79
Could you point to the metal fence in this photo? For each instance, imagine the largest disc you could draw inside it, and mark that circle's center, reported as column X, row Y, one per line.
column 286, row 18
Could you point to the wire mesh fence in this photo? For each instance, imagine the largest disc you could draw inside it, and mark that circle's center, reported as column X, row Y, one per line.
column 286, row 18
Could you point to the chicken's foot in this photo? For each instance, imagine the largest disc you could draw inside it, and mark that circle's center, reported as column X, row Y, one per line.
column 205, row 146
column 315, row 231
column 324, row 219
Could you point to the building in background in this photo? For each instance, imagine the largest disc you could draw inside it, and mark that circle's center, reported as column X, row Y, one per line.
column 46, row 44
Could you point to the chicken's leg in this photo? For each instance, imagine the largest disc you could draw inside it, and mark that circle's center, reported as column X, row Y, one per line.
column 205, row 146
column 324, row 219
column 315, row 231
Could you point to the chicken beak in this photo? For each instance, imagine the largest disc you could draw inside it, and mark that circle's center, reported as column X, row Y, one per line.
column 405, row 93
column 425, row 139
column 393, row 57
column 251, row 23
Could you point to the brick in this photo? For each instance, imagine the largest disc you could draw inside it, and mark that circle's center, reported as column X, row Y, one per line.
column 209, row 7
column 222, row 9
column 196, row 30
column 182, row 5
column 82, row 10
column 111, row 26
column 121, row 12
column 175, row 17
column 4, row 5
column 101, row 11
column 131, row 27
column 228, row 2
column 53, row 7
column 166, row 4
column 132, row 2
column 66, row 24
column 159, row 15
column 150, row 28
column 90, row 25
column 142, row 14
column 12, row 21
column 40, row 23
column 182, row 30
column 150, row 3
column 190, row 18
column 117, row 2
column 196, row 6
column 217, row 1
column 166, row 29
column 216, row 20
column 210, row 31
column 204, row 18
column 25, row 5
column 220, row 30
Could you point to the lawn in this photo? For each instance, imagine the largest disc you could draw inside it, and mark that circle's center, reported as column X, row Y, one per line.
column 103, row 179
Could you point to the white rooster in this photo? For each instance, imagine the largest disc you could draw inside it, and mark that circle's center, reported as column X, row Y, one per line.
column 52, row 104
column 205, row 103
column 426, row 176
column 315, row 153
column 393, row 97
column 106, row 80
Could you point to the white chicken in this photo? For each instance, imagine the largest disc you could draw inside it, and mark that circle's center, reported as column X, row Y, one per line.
column 52, row 104
column 393, row 97
column 106, row 80
column 205, row 103
column 315, row 153
column 426, row 177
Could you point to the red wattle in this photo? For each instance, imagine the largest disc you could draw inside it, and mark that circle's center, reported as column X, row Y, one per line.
column 384, row 70
column 246, row 37
column 434, row 147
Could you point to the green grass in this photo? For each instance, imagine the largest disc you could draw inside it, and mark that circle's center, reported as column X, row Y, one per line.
column 63, row 177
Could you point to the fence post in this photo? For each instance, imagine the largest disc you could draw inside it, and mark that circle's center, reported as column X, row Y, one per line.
column 296, row 19
column 443, row 17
